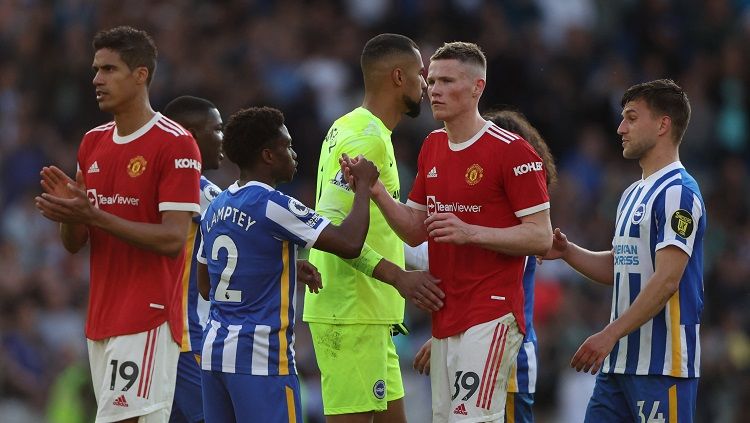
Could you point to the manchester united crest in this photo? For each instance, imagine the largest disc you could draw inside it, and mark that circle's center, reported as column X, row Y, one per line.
column 136, row 166
column 474, row 174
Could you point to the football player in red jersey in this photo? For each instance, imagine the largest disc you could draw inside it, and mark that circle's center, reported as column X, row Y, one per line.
column 481, row 202
column 135, row 193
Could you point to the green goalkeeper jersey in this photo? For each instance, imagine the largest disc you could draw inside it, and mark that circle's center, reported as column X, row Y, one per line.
column 350, row 294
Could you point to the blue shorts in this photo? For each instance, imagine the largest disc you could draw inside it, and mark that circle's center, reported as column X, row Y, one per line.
column 518, row 407
column 631, row 398
column 233, row 397
column 187, row 406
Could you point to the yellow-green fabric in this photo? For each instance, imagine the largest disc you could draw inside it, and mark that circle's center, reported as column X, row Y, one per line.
column 359, row 367
column 350, row 294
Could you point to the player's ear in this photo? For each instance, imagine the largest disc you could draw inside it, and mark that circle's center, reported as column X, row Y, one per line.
column 397, row 76
column 266, row 156
column 479, row 85
column 665, row 125
column 141, row 75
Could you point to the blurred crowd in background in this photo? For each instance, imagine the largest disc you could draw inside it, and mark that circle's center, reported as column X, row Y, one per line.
column 564, row 63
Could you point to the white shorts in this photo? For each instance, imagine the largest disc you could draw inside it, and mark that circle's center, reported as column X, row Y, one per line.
column 469, row 372
column 134, row 375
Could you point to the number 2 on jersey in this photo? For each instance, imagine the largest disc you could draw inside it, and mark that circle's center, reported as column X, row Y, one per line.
column 223, row 293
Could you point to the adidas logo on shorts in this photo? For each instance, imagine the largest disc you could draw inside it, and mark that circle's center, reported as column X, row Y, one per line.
column 121, row 402
column 460, row 409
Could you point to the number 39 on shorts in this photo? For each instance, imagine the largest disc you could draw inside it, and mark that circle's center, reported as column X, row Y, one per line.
column 465, row 382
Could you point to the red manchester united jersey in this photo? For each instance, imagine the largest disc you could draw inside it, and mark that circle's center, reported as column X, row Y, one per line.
column 155, row 169
column 491, row 180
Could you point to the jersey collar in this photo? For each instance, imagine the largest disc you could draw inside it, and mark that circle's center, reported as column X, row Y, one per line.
column 663, row 171
column 142, row 130
column 235, row 187
column 466, row 144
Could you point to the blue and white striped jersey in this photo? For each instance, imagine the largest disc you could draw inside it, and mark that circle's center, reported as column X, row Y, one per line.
column 523, row 374
column 250, row 238
column 195, row 308
column 664, row 209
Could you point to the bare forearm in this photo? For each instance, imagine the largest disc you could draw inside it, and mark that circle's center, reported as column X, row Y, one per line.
column 652, row 299
column 160, row 238
column 596, row 265
column 357, row 222
column 525, row 239
column 74, row 236
column 406, row 222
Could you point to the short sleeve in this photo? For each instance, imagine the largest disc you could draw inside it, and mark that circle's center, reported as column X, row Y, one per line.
column 179, row 180
column 524, row 179
column 200, row 255
column 291, row 220
column 677, row 212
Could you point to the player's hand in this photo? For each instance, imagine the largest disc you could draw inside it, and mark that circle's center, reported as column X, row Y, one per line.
column 364, row 172
column 65, row 201
column 308, row 274
column 55, row 182
column 559, row 246
column 420, row 287
column 592, row 352
column 422, row 359
column 447, row 227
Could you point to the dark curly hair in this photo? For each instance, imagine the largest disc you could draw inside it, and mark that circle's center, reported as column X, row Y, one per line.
column 249, row 131
column 135, row 46
column 515, row 121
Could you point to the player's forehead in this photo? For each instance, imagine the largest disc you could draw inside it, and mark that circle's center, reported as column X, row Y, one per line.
column 635, row 107
column 107, row 56
column 446, row 68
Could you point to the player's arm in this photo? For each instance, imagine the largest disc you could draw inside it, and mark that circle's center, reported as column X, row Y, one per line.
column 347, row 239
column 74, row 211
column 406, row 222
column 599, row 266
column 670, row 263
column 204, row 283
column 530, row 237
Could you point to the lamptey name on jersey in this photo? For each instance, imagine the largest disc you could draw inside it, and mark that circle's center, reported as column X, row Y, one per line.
column 236, row 216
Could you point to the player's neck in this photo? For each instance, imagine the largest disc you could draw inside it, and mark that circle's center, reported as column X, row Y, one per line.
column 462, row 127
column 247, row 175
column 657, row 159
column 132, row 118
column 384, row 109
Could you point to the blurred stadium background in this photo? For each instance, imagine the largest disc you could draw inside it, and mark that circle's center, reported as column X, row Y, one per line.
column 564, row 63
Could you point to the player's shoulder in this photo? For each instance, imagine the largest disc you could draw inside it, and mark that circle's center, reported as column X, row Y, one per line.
column 358, row 124
column 171, row 129
column 502, row 137
column 101, row 129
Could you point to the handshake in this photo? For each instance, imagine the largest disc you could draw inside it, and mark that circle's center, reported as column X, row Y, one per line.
column 358, row 171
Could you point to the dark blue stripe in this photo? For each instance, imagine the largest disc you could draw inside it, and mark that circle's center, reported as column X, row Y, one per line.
column 195, row 331
column 626, row 214
column 634, row 338
column 217, row 354
column 522, row 370
column 658, row 343
column 690, row 342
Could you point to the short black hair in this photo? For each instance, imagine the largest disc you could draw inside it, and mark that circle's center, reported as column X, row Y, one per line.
column 516, row 122
column 663, row 97
column 463, row 52
column 249, row 131
column 385, row 45
column 135, row 46
column 182, row 108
